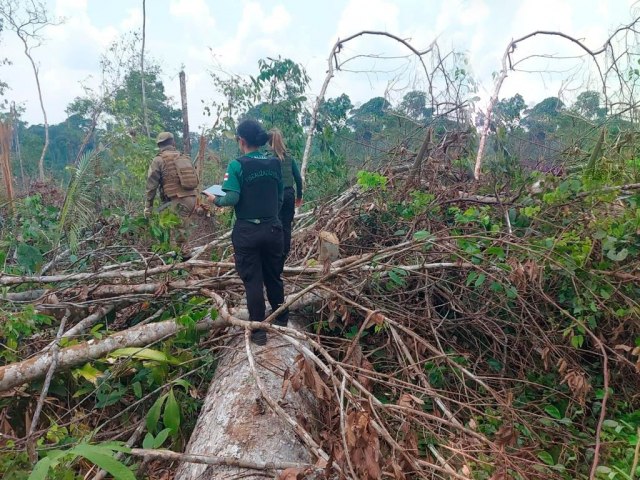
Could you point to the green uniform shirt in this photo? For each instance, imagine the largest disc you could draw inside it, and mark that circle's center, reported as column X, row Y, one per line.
column 233, row 182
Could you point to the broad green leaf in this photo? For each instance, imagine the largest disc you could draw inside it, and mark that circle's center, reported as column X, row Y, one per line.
column 577, row 341
column 171, row 418
column 480, row 280
column 471, row 278
column 144, row 354
column 88, row 372
column 149, row 441
column 41, row 469
column 137, row 389
column 553, row 411
column 116, row 446
column 153, row 415
column 394, row 275
column 183, row 383
column 421, row 235
column 161, row 438
column 546, row 458
column 617, row 257
column 101, row 458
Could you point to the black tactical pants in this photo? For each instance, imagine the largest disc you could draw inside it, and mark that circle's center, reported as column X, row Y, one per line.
column 258, row 256
column 286, row 217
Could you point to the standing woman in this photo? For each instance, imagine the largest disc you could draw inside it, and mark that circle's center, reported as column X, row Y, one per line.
column 253, row 186
column 290, row 174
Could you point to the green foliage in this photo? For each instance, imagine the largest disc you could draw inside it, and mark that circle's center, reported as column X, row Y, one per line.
column 276, row 96
column 508, row 111
column 102, row 455
column 78, row 209
column 170, row 415
column 16, row 327
column 372, row 180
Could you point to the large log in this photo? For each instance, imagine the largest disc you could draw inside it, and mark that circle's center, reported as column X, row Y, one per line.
column 237, row 422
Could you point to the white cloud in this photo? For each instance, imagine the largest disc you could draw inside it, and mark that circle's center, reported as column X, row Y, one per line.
column 367, row 15
column 277, row 20
column 242, row 32
column 195, row 12
column 133, row 20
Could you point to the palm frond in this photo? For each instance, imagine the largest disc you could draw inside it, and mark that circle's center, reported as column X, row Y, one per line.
column 78, row 208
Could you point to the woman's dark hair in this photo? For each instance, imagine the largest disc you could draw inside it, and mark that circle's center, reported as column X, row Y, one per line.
column 252, row 133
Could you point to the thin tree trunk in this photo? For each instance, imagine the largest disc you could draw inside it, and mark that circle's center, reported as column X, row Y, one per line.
column 414, row 175
column 144, row 95
column 487, row 121
column 5, row 160
column 16, row 142
column 314, row 113
column 44, row 112
column 89, row 134
column 185, row 114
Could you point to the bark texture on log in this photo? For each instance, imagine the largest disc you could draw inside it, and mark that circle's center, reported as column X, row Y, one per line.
column 236, row 422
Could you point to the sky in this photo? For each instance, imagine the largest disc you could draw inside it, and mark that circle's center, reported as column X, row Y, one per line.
column 231, row 36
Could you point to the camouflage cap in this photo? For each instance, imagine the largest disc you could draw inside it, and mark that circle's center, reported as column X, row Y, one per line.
column 164, row 136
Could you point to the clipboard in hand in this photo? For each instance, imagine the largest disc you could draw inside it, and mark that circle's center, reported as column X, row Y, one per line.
column 215, row 190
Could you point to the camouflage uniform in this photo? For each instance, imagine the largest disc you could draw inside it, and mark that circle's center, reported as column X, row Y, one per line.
column 164, row 178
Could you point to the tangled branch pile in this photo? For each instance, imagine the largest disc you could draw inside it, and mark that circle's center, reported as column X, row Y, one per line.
column 457, row 336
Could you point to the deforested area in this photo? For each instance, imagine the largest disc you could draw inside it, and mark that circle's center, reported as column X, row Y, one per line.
column 377, row 263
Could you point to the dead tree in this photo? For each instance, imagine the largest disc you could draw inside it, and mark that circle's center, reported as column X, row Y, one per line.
column 185, row 114
column 605, row 72
column 28, row 22
column 333, row 65
column 144, row 95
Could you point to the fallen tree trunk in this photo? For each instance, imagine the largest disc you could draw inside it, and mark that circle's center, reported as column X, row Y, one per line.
column 36, row 367
column 18, row 373
column 238, row 422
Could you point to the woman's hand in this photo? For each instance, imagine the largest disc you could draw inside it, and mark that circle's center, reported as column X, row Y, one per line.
column 211, row 198
column 298, row 202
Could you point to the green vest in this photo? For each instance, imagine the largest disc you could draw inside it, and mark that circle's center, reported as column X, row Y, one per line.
column 287, row 172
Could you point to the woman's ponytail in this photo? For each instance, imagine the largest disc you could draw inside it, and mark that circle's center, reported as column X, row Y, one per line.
column 276, row 142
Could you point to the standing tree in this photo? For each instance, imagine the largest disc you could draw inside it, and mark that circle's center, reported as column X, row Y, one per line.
column 588, row 105
column 28, row 19
column 144, row 95
column 3, row 85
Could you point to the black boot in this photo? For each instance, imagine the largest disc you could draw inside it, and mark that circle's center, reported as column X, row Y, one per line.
column 282, row 320
column 259, row 337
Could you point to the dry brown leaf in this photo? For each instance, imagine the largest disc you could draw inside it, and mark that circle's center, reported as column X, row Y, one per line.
column 506, row 436
column 291, row 474
column 364, row 445
column 578, row 385
column 562, row 366
column 375, row 318
column 625, row 348
column 405, row 400
column 544, row 354
column 286, row 381
column 473, row 425
column 398, row 474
